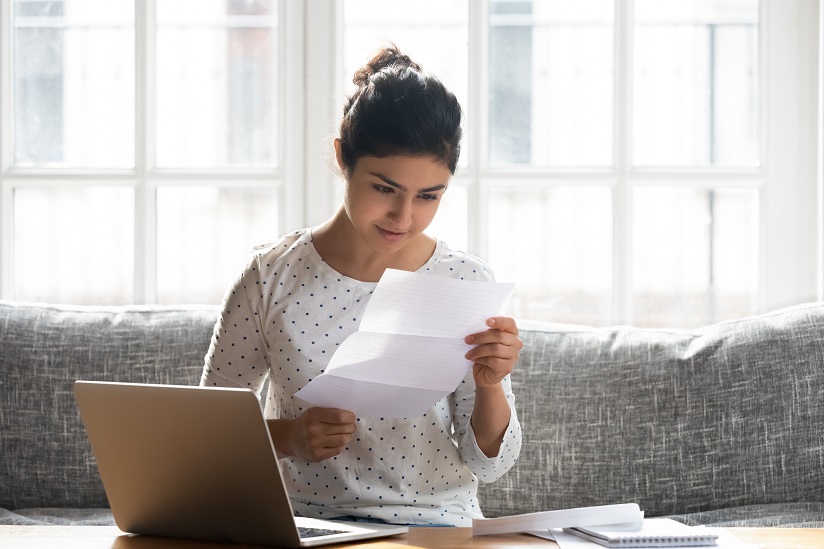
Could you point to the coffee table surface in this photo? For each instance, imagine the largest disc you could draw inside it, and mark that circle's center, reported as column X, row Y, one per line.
column 110, row 537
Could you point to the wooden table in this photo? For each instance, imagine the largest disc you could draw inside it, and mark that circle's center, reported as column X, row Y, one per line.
column 109, row 537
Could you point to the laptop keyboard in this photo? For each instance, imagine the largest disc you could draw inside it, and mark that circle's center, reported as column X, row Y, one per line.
column 306, row 532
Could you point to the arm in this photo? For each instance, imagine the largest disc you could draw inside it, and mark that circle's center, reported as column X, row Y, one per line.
column 494, row 355
column 237, row 352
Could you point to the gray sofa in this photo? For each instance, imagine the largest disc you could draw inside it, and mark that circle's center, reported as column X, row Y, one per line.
column 723, row 425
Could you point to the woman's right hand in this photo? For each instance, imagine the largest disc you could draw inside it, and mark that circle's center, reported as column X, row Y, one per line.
column 318, row 434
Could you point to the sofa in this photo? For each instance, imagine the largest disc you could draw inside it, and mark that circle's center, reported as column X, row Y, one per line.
column 722, row 425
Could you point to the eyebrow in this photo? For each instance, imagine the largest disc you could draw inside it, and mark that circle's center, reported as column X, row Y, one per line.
column 401, row 187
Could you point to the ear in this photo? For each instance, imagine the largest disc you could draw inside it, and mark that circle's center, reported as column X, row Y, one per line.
column 339, row 155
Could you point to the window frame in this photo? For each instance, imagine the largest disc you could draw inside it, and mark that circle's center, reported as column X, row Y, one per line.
column 789, row 180
column 789, row 269
column 146, row 177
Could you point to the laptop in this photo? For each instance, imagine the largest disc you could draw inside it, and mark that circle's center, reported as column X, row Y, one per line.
column 198, row 462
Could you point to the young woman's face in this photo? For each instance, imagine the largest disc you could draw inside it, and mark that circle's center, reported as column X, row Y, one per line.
column 392, row 200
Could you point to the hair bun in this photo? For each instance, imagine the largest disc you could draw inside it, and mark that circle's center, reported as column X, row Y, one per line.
column 388, row 56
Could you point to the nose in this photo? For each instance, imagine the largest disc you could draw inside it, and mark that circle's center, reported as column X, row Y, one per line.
column 401, row 213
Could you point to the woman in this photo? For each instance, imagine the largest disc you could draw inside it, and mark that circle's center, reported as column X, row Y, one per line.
column 299, row 298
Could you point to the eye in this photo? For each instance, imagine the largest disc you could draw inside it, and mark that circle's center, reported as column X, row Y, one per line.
column 429, row 197
column 383, row 189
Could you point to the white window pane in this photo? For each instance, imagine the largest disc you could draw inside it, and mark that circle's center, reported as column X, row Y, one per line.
column 74, row 245
column 695, row 256
column 439, row 44
column 550, row 82
column 73, row 83
column 556, row 245
column 451, row 224
column 695, row 83
column 217, row 83
column 204, row 236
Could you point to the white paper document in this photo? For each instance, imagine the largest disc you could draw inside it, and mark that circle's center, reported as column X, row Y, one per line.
column 726, row 540
column 653, row 532
column 408, row 352
column 618, row 513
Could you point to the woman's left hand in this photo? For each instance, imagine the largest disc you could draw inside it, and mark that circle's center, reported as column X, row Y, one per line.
column 496, row 351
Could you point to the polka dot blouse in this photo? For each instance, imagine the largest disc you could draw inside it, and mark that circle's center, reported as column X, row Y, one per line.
column 281, row 321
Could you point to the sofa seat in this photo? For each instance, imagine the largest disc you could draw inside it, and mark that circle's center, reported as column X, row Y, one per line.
column 57, row 516
column 788, row 515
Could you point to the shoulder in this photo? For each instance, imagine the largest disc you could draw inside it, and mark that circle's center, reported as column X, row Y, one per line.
column 293, row 245
column 458, row 264
column 275, row 257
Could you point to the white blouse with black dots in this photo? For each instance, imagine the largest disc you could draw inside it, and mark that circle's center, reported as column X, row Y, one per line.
column 283, row 319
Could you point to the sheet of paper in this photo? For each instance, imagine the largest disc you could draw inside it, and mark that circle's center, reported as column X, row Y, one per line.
column 408, row 352
column 619, row 513
column 435, row 306
column 726, row 540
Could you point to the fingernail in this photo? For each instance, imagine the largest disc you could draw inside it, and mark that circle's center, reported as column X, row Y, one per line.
column 490, row 322
column 468, row 339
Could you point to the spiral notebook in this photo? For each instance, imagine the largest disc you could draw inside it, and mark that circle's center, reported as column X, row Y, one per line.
column 654, row 532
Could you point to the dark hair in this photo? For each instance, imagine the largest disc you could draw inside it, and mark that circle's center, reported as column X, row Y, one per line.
column 399, row 109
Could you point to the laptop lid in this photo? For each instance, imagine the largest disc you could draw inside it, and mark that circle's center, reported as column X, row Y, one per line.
column 195, row 462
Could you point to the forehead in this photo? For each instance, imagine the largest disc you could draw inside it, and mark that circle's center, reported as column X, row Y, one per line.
column 412, row 171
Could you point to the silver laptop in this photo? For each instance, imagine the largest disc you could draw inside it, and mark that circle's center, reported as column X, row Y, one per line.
column 197, row 462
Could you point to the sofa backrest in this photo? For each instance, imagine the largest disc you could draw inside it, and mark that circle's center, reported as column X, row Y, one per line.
column 677, row 421
column 45, row 457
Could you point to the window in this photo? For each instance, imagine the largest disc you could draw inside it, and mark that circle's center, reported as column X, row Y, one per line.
column 650, row 162
column 145, row 154
column 622, row 158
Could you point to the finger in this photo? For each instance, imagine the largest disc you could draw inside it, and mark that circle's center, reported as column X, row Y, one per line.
column 509, row 352
column 338, row 428
column 334, row 416
column 504, row 323
column 337, row 441
column 495, row 336
column 504, row 329
column 490, row 336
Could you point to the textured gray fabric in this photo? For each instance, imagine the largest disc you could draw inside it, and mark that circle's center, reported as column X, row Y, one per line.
column 57, row 517
column 680, row 422
column 46, row 458
column 784, row 515
column 722, row 425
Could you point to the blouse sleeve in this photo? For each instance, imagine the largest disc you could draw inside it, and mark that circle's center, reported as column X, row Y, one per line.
column 237, row 354
column 487, row 469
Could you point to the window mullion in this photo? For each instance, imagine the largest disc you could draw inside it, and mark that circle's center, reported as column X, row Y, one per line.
column 820, row 162
column 788, row 203
column 322, row 51
column 145, row 249
column 622, row 162
column 5, row 151
column 294, row 114
column 5, row 238
column 477, row 126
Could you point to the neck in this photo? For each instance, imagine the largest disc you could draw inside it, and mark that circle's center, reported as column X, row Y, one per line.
column 342, row 248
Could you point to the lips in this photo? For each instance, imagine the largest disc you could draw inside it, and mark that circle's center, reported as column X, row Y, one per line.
column 390, row 235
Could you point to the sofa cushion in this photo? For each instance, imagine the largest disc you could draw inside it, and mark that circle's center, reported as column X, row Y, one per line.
column 678, row 421
column 46, row 457
column 57, row 517
column 775, row 515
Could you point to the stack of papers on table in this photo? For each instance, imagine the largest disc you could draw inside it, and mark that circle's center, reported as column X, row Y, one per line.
column 620, row 525
column 621, row 513
column 653, row 532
